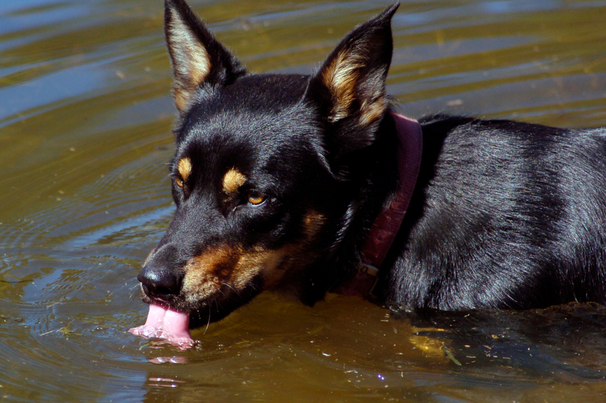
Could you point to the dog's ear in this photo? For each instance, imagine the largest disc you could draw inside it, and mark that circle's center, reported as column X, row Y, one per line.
column 197, row 57
column 350, row 85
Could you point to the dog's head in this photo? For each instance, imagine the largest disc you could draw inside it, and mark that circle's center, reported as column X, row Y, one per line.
column 264, row 173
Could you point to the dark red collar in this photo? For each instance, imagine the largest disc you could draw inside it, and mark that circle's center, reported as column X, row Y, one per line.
column 387, row 224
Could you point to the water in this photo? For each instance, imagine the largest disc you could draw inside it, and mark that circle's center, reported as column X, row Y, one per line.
column 85, row 120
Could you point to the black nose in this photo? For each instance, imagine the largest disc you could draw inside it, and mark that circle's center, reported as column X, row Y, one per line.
column 159, row 282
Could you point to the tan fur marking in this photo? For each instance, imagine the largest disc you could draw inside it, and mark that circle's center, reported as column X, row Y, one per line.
column 232, row 180
column 191, row 63
column 312, row 223
column 184, row 167
column 372, row 111
column 266, row 263
column 206, row 274
column 181, row 99
column 341, row 78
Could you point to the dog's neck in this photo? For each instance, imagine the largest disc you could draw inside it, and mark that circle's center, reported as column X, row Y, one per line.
column 385, row 227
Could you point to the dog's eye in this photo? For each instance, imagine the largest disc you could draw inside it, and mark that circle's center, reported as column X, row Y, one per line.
column 256, row 198
column 179, row 182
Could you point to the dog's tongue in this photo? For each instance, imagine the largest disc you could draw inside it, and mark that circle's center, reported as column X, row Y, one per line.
column 165, row 323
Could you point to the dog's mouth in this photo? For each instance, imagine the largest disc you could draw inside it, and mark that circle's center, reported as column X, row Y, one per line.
column 170, row 317
column 206, row 289
column 167, row 324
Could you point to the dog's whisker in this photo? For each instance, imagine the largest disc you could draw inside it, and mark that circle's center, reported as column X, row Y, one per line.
column 234, row 290
column 207, row 323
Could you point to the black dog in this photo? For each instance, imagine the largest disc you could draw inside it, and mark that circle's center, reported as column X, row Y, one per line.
column 299, row 184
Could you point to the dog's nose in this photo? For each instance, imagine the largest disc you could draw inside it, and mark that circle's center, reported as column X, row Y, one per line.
column 159, row 282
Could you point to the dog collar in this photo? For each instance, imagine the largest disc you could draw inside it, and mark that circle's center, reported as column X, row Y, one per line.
column 384, row 229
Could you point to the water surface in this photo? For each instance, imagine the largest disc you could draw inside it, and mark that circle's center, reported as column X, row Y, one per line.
column 85, row 135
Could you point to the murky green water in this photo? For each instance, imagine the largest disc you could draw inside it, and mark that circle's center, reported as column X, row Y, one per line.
column 85, row 117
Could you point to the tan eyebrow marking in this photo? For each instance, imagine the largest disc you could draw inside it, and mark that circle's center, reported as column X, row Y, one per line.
column 232, row 180
column 184, row 167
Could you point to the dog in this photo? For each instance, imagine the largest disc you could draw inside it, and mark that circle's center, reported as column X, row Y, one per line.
column 307, row 184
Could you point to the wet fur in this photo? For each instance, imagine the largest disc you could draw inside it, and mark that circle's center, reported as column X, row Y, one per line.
column 277, row 179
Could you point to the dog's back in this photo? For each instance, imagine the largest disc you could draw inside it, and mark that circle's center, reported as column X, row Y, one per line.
column 505, row 215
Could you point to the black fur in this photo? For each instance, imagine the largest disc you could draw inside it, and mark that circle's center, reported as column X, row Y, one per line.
column 504, row 214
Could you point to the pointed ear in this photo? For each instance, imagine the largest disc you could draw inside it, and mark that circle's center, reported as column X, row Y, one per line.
column 197, row 57
column 350, row 85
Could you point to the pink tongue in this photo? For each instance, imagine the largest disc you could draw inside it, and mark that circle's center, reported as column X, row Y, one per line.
column 165, row 323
